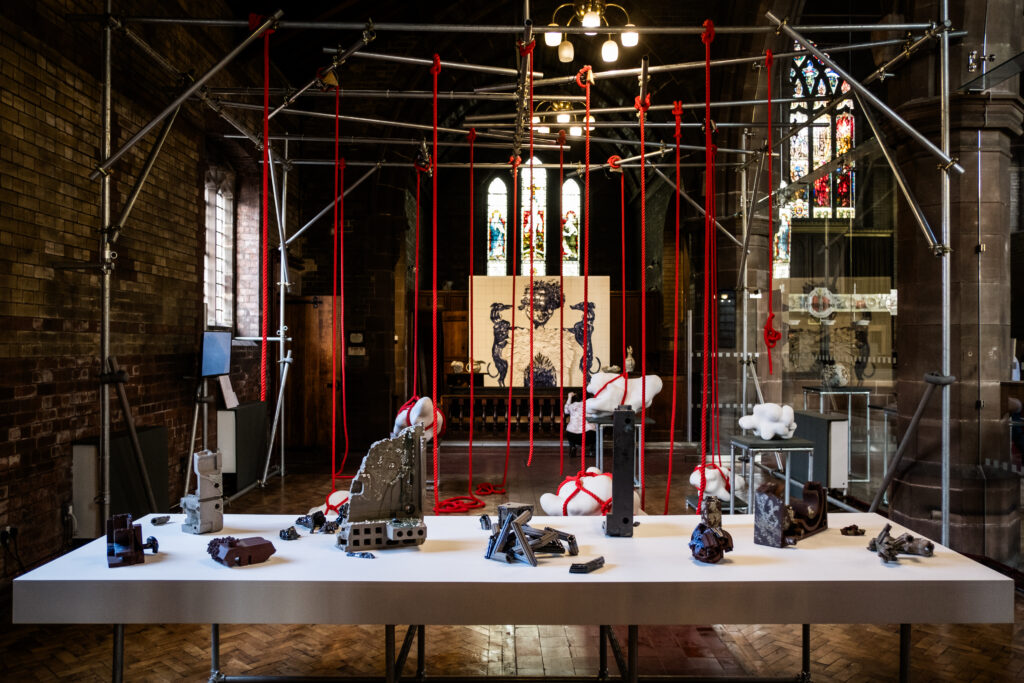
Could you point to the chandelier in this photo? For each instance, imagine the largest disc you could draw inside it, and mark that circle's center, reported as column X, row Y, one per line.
column 590, row 14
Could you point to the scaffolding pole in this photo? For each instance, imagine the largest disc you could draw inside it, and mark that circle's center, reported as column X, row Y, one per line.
column 393, row 94
column 109, row 159
column 459, row 66
column 352, row 140
column 106, row 265
column 946, row 257
column 327, row 208
column 339, row 58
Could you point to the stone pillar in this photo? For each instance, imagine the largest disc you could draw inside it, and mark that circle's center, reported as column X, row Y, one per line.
column 984, row 505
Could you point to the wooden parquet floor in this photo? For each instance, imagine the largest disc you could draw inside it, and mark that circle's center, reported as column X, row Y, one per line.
column 841, row 653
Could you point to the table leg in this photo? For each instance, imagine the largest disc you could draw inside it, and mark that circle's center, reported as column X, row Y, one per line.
column 598, row 448
column 215, row 674
column 805, row 653
column 904, row 653
column 117, row 666
column 602, row 665
column 867, row 438
column 421, row 651
column 389, row 653
column 633, row 674
column 789, row 460
column 849, row 437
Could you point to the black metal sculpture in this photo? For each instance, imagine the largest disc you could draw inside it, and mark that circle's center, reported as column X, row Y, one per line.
column 779, row 525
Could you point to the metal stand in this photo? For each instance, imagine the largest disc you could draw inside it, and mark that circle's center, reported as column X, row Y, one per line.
column 904, row 653
column 202, row 399
column 118, row 377
column 117, row 669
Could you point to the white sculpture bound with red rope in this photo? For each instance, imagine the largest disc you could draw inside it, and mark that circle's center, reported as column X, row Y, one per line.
column 589, row 493
column 608, row 391
column 419, row 411
column 716, row 478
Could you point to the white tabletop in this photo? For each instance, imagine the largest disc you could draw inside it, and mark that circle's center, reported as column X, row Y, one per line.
column 648, row 579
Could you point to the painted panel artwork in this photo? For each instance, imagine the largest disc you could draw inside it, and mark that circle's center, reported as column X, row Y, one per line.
column 557, row 321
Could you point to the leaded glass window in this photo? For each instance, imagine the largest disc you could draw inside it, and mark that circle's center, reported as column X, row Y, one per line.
column 570, row 227
column 497, row 227
column 533, row 192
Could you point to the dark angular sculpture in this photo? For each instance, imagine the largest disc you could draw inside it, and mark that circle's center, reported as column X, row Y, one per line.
column 710, row 542
column 385, row 505
column 513, row 539
column 124, row 542
column 852, row 530
column 204, row 509
column 289, row 534
column 239, row 552
column 889, row 548
column 587, row 567
column 778, row 525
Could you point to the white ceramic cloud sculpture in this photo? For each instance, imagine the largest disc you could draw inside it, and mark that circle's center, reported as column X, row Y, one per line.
column 422, row 413
column 716, row 481
column 770, row 420
column 573, row 501
column 606, row 392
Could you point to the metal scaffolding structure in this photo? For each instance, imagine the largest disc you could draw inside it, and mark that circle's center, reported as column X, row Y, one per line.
column 503, row 140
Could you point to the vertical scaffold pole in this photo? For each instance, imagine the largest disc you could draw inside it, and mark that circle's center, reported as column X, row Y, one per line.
column 946, row 256
column 105, row 264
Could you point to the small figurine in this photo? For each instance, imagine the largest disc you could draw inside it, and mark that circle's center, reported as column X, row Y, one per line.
column 312, row 522
column 889, row 548
column 235, row 552
column 124, row 542
column 289, row 534
column 709, row 542
column 587, row 567
column 779, row 525
column 204, row 509
column 630, row 363
column 852, row 530
column 512, row 539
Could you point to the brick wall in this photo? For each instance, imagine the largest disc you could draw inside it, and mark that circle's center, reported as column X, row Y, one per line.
column 49, row 217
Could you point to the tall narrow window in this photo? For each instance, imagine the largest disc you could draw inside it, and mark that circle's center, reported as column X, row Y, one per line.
column 570, row 227
column 219, row 261
column 497, row 227
column 533, row 200
column 822, row 195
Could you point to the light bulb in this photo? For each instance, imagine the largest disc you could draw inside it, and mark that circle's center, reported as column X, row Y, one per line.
column 590, row 123
column 562, row 118
column 575, row 131
column 542, row 130
column 535, row 119
column 565, row 51
column 610, row 50
column 629, row 38
column 553, row 38
column 591, row 19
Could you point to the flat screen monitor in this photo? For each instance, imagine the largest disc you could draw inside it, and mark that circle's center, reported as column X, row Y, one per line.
column 216, row 355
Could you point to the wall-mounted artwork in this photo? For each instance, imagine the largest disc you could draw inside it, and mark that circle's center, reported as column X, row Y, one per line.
column 558, row 320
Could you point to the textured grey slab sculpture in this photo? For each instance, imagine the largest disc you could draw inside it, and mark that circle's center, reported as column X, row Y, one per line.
column 779, row 525
column 385, row 505
column 204, row 509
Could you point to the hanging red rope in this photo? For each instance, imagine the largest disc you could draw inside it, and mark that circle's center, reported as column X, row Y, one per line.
column 588, row 73
column 255, row 21
column 463, row 504
column 434, row 70
column 677, row 112
column 641, row 108
column 420, row 170
column 709, row 397
column 615, row 164
column 561, row 306
column 771, row 335
column 527, row 51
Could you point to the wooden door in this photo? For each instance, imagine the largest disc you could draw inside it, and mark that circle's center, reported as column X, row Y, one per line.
column 308, row 398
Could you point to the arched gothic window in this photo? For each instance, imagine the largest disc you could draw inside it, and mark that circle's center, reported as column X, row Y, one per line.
column 533, row 194
column 830, row 195
column 497, row 227
column 570, row 227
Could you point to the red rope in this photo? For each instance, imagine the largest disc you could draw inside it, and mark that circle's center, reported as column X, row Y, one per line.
column 527, row 51
column 577, row 480
column 615, row 164
column 561, row 307
column 265, row 256
column 334, row 301
column 771, row 335
column 434, row 70
column 340, row 230
column 416, row 289
column 589, row 74
column 641, row 107
column 677, row 112
column 710, row 265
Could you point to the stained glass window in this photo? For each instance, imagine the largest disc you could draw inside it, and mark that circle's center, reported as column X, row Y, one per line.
column 831, row 195
column 533, row 193
column 570, row 228
column 497, row 224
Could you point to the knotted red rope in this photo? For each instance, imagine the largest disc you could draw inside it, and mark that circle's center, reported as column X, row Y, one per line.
column 527, row 51
column 577, row 481
column 254, row 22
column 771, row 335
column 641, row 108
column 709, row 398
column 615, row 164
column 677, row 112
column 561, row 295
column 625, row 386
column 435, row 69
column 486, row 489
column 416, row 287
column 587, row 72
column 336, row 304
